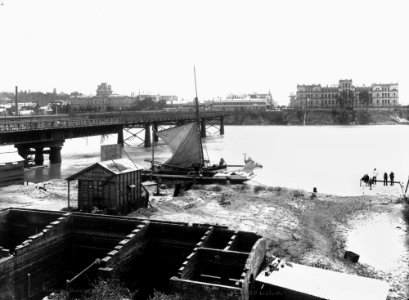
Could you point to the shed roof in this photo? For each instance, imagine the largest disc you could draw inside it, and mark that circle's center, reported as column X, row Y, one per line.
column 10, row 157
column 325, row 284
column 115, row 166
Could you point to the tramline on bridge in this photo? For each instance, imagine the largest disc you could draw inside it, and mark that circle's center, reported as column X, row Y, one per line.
column 30, row 135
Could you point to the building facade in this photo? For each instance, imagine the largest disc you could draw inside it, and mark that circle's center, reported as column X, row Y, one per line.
column 112, row 185
column 318, row 96
column 106, row 100
column 104, row 90
column 233, row 102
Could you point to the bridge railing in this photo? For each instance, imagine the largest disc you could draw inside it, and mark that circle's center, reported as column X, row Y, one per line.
column 99, row 119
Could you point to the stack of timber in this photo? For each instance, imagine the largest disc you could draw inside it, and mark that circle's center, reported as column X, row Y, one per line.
column 11, row 169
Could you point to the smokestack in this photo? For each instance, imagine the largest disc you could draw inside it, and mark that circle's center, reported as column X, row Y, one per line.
column 16, row 101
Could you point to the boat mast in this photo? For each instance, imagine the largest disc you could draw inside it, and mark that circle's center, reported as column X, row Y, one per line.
column 198, row 120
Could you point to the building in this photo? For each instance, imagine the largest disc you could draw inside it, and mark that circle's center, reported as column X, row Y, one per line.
column 113, row 185
column 104, row 90
column 5, row 100
column 318, row 96
column 101, row 103
column 234, row 102
column 106, row 100
column 11, row 169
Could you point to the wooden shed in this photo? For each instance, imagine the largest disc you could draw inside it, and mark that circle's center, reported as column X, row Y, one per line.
column 113, row 186
column 11, row 169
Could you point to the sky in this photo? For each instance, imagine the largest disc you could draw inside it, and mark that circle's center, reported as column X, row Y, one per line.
column 236, row 46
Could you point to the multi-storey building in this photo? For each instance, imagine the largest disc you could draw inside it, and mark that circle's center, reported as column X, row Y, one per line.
column 253, row 101
column 106, row 100
column 104, row 90
column 315, row 95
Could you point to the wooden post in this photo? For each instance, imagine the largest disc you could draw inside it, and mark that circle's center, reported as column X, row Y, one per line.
column 29, row 286
column 16, row 101
column 69, row 194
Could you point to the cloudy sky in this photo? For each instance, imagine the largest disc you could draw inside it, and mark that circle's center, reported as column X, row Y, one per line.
column 236, row 46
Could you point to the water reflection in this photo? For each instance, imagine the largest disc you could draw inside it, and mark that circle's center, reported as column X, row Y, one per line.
column 43, row 173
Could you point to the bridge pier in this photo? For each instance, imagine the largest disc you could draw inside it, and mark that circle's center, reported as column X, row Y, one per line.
column 120, row 140
column 55, row 155
column 203, row 128
column 23, row 151
column 54, row 150
column 39, row 155
column 147, row 142
column 221, row 126
column 155, row 129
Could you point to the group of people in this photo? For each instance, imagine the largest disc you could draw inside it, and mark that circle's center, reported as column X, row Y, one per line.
column 372, row 180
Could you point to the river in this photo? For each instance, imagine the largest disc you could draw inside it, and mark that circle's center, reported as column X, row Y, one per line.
column 330, row 158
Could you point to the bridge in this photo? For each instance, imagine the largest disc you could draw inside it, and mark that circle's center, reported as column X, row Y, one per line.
column 31, row 135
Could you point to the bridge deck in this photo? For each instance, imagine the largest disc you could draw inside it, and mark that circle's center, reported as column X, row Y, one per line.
column 35, row 123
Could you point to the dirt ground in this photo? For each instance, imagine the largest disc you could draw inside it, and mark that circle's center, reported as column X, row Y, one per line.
column 303, row 227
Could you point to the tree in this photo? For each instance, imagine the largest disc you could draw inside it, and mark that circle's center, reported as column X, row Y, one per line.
column 364, row 98
column 75, row 94
column 345, row 99
column 161, row 104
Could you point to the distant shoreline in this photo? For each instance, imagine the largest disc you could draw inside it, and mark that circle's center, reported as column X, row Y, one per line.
column 318, row 117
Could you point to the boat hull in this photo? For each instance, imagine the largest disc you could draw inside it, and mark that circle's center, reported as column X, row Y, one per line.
column 177, row 178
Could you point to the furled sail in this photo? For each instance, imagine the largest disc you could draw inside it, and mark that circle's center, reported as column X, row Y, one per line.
column 184, row 142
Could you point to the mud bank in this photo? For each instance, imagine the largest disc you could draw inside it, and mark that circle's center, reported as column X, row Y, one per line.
column 305, row 228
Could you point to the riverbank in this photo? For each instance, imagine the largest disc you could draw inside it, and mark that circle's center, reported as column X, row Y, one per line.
column 306, row 228
column 372, row 116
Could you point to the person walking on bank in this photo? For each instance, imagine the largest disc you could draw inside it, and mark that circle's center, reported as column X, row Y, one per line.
column 375, row 173
column 385, row 178
column 392, row 177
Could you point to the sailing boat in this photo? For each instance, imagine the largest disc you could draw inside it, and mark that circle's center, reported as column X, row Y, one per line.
column 187, row 161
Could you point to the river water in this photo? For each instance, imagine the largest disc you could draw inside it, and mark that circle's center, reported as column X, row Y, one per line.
column 330, row 158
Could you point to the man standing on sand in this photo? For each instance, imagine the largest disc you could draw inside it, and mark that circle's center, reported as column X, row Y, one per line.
column 385, row 178
column 375, row 173
column 392, row 177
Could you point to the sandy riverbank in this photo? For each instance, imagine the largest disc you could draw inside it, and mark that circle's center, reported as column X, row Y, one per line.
column 305, row 229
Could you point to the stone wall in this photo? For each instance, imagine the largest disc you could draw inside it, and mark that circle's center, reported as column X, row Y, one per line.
column 52, row 250
column 200, row 290
column 36, row 263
